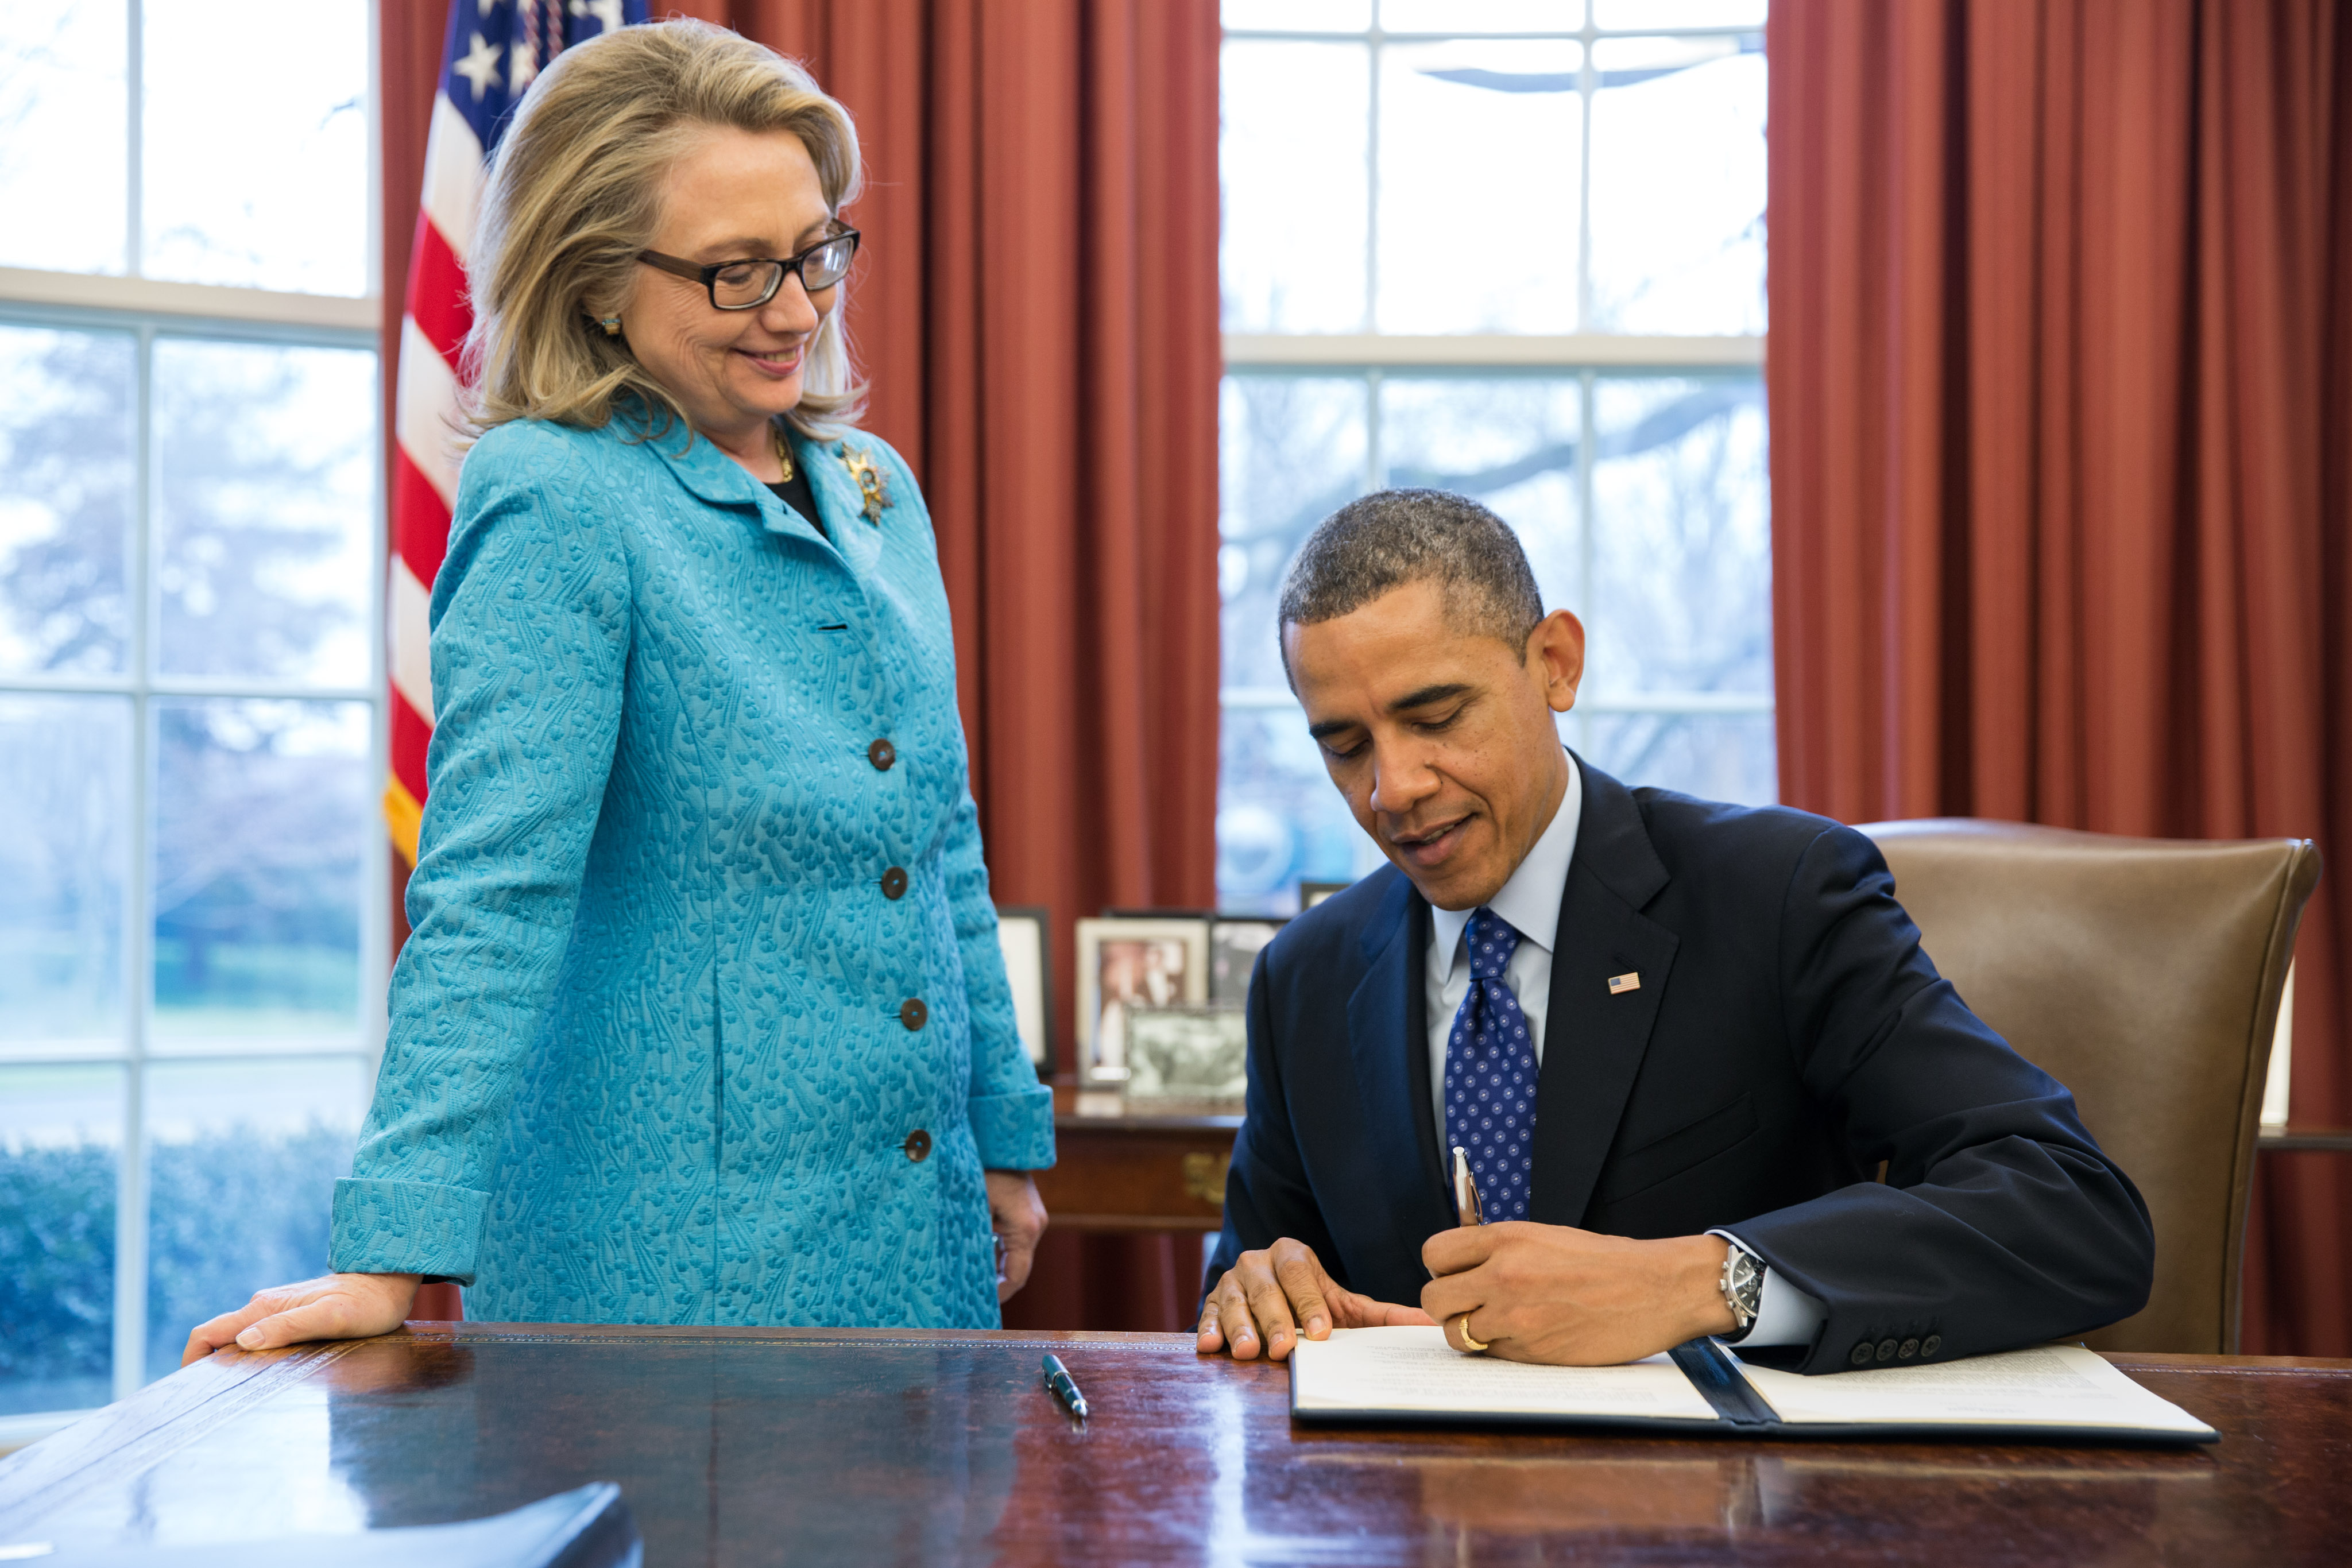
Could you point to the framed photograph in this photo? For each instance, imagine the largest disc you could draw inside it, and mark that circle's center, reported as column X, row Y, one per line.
column 1311, row 894
column 1235, row 941
column 1021, row 931
column 1130, row 961
column 1191, row 1054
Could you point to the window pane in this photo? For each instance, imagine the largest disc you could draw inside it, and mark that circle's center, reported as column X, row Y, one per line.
column 1507, row 443
column 273, row 194
column 1678, row 185
column 1682, row 593
column 265, row 467
column 1300, row 15
column 1481, row 16
column 64, row 127
column 1628, row 14
column 261, row 821
column 60, row 1131
column 1279, row 819
column 1294, row 454
column 1716, row 756
column 1479, row 149
column 263, row 1141
column 65, row 791
column 67, row 471
column 1292, row 162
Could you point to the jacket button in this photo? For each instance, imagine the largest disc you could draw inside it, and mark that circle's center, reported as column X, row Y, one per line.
column 1861, row 1356
column 882, row 754
column 1931, row 1344
column 917, row 1146
column 1887, row 1350
column 894, row 883
column 913, row 1013
column 1910, row 1347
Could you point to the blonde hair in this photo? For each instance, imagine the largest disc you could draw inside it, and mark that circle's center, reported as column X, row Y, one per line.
column 574, row 194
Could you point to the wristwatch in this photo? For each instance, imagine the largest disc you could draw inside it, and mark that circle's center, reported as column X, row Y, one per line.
column 1743, row 1285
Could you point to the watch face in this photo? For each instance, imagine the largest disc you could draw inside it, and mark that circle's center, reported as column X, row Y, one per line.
column 1748, row 1278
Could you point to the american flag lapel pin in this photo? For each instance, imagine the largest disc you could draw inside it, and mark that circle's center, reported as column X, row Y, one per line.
column 1620, row 983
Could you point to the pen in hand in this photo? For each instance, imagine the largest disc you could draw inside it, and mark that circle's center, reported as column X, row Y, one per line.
column 1466, row 1191
column 1058, row 1379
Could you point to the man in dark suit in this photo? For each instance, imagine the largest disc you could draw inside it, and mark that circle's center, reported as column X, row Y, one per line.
column 1741, row 1029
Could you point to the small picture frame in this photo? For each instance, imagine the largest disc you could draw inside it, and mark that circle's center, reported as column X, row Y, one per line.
column 1130, row 961
column 1196, row 1054
column 1022, row 932
column 1311, row 894
column 1234, row 942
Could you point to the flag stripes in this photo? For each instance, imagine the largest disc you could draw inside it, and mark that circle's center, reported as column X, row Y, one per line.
column 494, row 50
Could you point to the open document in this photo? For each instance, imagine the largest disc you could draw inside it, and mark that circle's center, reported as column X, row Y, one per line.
column 2048, row 1393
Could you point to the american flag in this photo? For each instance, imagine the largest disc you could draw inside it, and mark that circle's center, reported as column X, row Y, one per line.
column 495, row 47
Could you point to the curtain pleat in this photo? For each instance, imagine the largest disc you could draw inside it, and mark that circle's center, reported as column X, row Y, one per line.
column 2060, row 385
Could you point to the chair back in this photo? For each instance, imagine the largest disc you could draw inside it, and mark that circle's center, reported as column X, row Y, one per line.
column 2145, row 975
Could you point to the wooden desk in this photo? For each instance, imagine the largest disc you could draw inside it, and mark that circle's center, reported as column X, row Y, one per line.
column 1137, row 1171
column 2303, row 1141
column 814, row 1446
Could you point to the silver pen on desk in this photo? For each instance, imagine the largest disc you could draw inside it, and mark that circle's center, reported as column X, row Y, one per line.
column 1058, row 1379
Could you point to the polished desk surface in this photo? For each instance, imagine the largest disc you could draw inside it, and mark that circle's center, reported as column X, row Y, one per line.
column 824, row 1446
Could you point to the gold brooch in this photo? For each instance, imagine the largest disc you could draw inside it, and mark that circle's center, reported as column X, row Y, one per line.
column 860, row 464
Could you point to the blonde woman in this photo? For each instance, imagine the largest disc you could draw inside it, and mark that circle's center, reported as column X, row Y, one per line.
column 703, row 1019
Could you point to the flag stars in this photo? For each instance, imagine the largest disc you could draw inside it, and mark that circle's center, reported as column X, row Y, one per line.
column 606, row 12
column 480, row 67
column 523, row 66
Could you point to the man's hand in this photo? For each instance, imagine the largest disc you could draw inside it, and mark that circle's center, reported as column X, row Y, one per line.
column 1264, row 1296
column 1552, row 1294
column 332, row 1306
column 1018, row 1216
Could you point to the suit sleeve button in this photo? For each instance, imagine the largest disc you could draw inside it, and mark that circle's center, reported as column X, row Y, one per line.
column 1861, row 1356
column 894, row 883
column 1887, row 1350
column 1909, row 1348
column 1931, row 1344
column 882, row 754
column 917, row 1146
column 913, row 1013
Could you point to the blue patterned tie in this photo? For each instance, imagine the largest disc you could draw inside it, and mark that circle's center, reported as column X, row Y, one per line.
column 1490, row 1075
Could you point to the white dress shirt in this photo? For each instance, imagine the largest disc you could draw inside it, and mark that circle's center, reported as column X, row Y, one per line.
column 1530, row 901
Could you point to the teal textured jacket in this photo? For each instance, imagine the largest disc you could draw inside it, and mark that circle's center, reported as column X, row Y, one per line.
column 703, row 938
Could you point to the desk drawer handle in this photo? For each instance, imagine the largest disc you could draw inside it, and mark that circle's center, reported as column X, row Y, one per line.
column 1204, row 1177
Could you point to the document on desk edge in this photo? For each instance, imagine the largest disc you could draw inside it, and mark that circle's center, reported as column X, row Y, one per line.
column 2047, row 1386
column 1412, row 1371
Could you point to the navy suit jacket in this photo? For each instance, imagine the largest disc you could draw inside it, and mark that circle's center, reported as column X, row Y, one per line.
column 1787, row 1035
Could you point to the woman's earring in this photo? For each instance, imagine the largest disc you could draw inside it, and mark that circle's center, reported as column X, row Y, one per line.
column 611, row 325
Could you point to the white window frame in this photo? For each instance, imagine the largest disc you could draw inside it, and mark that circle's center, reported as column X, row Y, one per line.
column 1583, row 356
column 147, row 309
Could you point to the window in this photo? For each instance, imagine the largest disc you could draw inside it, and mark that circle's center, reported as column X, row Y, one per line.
column 192, row 899
column 1512, row 249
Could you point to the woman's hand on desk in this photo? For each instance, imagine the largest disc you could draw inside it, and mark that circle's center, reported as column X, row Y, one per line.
column 1017, row 1215
column 332, row 1306
column 1266, row 1296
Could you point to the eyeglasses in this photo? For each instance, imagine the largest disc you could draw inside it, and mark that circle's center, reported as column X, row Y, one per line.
column 747, row 284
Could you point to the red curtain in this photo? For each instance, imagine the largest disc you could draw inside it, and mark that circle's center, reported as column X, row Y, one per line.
column 2060, row 385
column 1035, row 305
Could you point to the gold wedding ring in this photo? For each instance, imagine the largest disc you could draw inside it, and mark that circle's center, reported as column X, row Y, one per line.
column 1475, row 1346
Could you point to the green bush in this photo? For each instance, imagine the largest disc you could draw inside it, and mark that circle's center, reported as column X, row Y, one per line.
column 57, row 1275
column 227, row 1214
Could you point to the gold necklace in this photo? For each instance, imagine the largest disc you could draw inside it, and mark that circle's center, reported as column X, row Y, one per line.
column 784, row 448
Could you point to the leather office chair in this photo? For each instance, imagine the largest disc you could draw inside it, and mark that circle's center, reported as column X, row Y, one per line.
column 2144, row 974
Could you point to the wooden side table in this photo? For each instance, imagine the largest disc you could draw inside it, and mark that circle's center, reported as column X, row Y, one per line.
column 1125, row 1167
